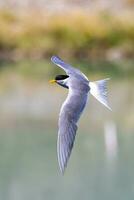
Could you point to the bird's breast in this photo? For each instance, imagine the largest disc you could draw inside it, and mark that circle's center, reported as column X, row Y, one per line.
column 79, row 85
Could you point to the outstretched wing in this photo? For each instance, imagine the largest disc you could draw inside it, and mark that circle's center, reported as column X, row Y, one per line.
column 69, row 115
column 65, row 143
column 68, row 68
column 65, row 66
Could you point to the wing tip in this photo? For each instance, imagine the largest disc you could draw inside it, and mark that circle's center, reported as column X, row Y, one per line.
column 62, row 171
column 61, row 159
column 62, row 167
column 55, row 59
column 108, row 107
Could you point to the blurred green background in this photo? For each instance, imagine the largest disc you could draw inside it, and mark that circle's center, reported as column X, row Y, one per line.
column 98, row 38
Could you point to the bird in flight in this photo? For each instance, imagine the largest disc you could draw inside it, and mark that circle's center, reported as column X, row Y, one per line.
column 79, row 89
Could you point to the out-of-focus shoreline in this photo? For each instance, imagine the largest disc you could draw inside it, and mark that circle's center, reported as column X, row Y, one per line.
column 78, row 34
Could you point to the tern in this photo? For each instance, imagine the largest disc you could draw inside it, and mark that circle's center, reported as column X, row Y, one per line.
column 79, row 89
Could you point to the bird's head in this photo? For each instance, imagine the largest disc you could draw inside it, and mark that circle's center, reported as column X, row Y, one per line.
column 62, row 80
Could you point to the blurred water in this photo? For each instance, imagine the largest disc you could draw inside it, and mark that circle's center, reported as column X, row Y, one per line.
column 29, row 168
column 28, row 133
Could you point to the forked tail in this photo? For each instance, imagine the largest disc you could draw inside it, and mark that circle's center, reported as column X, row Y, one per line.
column 99, row 90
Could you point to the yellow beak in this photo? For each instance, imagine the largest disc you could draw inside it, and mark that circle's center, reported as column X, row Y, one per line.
column 52, row 81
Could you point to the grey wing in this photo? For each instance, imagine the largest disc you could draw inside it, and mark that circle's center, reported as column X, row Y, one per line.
column 66, row 67
column 66, row 137
column 69, row 115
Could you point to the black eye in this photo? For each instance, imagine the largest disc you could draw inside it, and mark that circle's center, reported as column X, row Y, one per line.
column 61, row 77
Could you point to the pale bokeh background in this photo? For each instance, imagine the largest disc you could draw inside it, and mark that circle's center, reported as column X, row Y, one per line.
column 98, row 38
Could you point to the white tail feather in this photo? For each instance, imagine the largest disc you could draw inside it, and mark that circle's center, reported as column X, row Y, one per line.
column 99, row 90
